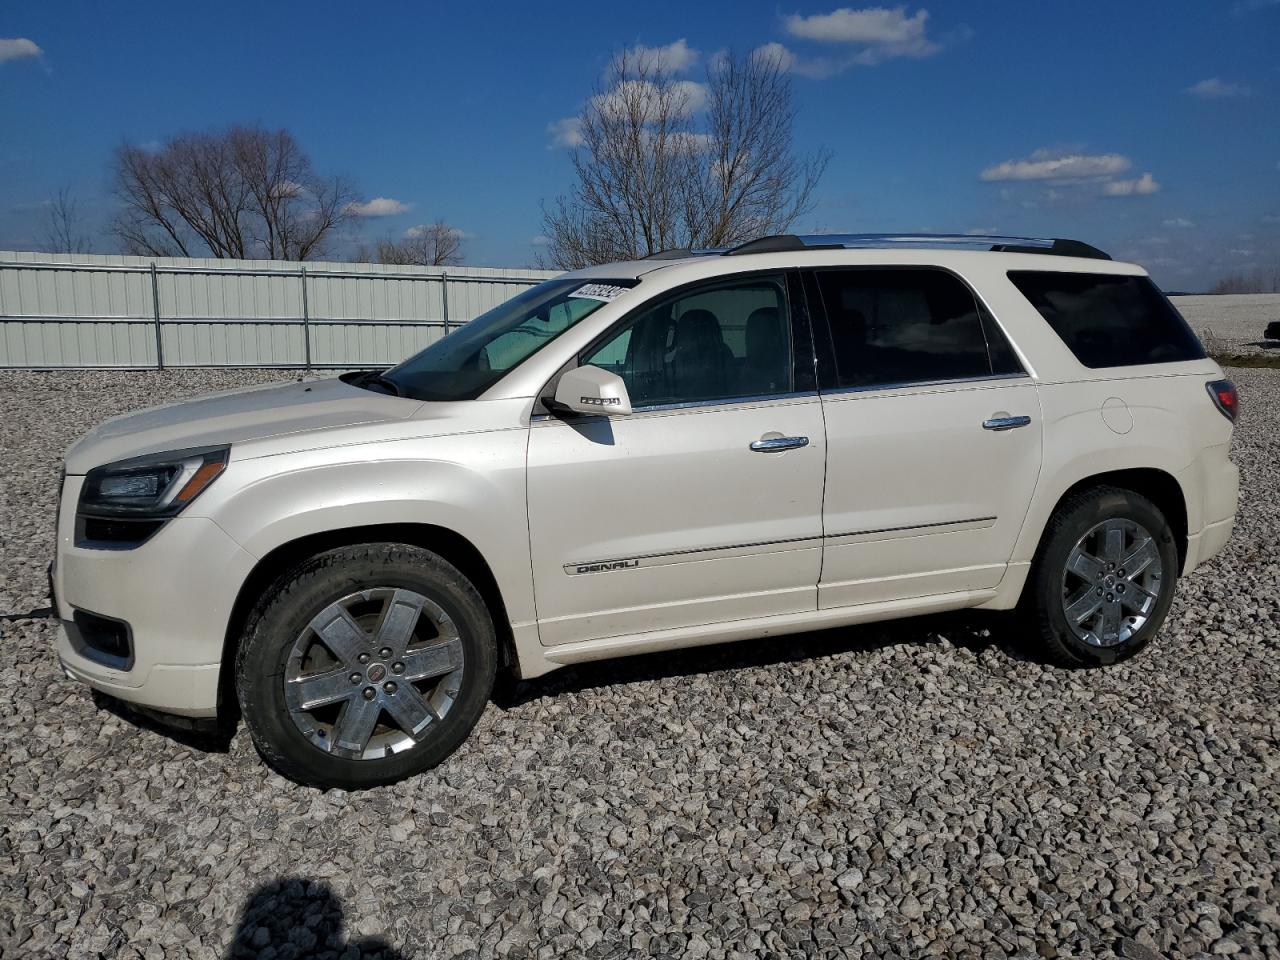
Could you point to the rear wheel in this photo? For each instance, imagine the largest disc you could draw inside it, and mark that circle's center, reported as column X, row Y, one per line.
column 1104, row 578
column 366, row 665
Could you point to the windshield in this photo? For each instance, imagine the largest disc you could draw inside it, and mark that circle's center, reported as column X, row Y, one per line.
column 473, row 358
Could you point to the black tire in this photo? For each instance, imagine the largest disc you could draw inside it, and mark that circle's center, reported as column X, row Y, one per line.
column 1042, row 601
column 285, row 613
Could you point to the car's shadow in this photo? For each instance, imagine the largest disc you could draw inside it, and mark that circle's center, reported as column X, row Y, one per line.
column 212, row 736
column 974, row 630
column 971, row 629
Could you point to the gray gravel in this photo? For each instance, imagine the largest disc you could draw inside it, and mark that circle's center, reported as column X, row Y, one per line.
column 913, row 789
column 1232, row 323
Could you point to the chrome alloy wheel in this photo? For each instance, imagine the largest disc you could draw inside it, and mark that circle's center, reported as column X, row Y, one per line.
column 373, row 673
column 1111, row 583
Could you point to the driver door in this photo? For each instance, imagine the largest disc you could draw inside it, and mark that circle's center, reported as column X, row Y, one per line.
column 705, row 504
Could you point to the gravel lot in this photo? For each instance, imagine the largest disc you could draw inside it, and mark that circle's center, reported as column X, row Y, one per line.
column 1232, row 323
column 912, row 789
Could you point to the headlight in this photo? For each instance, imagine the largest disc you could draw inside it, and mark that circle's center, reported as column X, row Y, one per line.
column 153, row 487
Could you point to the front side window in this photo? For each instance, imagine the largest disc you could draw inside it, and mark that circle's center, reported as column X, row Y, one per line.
column 902, row 326
column 718, row 343
column 472, row 359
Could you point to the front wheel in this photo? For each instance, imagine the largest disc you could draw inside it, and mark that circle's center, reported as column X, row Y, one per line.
column 1104, row 578
column 366, row 665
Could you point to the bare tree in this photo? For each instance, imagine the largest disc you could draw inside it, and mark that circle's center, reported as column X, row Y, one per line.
column 246, row 192
column 429, row 245
column 1258, row 280
column 664, row 162
column 63, row 232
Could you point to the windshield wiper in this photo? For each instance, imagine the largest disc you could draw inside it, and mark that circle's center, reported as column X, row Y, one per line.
column 367, row 378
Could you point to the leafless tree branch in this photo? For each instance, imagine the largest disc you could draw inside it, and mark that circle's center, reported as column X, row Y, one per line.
column 245, row 193
column 63, row 229
column 431, row 245
column 654, row 172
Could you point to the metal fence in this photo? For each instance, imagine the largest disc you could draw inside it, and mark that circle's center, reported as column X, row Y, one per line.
column 134, row 312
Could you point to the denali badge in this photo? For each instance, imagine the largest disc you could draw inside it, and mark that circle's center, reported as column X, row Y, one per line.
column 610, row 565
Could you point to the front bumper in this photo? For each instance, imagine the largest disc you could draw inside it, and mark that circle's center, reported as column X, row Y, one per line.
column 176, row 592
column 188, row 691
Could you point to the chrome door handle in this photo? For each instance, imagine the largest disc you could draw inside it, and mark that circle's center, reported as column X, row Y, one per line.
column 1005, row 423
column 774, row 444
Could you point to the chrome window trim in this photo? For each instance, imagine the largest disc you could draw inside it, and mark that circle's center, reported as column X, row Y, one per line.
column 834, row 391
column 690, row 405
column 695, row 404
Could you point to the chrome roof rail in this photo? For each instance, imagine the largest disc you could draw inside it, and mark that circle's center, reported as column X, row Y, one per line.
column 888, row 241
column 683, row 253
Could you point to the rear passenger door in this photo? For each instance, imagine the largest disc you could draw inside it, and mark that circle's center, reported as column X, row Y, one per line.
column 933, row 436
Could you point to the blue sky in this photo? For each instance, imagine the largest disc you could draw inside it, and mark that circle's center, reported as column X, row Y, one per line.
column 1151, row 129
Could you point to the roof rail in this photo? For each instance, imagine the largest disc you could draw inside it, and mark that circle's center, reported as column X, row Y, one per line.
column 683, row 253
column 836, row 241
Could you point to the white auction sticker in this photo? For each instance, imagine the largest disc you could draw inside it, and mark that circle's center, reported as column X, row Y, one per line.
column 599, row 291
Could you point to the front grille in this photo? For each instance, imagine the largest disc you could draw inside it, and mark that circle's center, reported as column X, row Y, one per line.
column 103, row 639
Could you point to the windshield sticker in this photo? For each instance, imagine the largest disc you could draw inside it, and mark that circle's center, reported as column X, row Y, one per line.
column 599, row 291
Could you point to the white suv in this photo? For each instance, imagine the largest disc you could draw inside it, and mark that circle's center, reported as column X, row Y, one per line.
column 694, row 448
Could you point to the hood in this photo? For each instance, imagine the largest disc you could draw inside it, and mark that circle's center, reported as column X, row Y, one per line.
column 253, row 413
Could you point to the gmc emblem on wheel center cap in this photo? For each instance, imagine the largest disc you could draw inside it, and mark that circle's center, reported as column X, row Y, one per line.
column 377, row 672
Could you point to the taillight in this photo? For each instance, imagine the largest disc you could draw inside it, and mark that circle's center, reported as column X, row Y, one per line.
column 1224, row 397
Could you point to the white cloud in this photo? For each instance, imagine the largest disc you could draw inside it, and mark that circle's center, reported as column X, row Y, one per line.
column 18, row 48
column 1217, row 89
column 1047, row 165
column 425, row 228
column 541, row 240
column 378, row 207
column 689, row 97
column 1127, row 188
column 676, row 57
column 1178, row 222
column 1243, row 7
column 880, row 32
column 565, row 133
column 774, row 53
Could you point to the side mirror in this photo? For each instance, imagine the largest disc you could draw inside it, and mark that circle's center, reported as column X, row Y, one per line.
column 593, row 391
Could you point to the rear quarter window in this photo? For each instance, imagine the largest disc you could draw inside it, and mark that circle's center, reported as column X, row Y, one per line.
column 1108, row 320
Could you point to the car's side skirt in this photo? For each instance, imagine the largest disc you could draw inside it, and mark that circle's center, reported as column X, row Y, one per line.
column 544, row 659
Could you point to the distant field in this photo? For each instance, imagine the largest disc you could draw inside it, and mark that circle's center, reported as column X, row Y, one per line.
column 1232, row 324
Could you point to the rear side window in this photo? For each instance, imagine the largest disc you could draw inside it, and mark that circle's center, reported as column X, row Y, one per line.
column 1108, row 320
column 903, row 326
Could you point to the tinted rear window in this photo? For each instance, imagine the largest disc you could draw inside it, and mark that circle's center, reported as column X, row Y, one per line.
column 899, row 326
column 1108, row 320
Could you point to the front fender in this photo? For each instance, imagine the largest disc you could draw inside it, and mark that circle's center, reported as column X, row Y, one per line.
column 471, row 484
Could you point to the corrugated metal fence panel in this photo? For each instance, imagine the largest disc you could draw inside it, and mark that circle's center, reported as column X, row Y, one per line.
column 93, row 311
column 77, row 343
column 369, row 344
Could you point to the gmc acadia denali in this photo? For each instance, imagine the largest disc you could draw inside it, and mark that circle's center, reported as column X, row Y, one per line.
column 703, row 446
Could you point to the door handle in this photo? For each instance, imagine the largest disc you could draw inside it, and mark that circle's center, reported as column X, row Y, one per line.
column 1005, row 423
column 774, row 444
